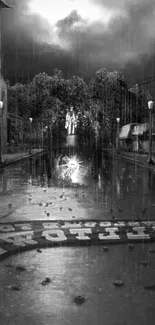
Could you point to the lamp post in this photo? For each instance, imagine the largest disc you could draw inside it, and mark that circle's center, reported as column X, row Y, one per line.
column 30, row 148
column 117, row 136
column 150, row 107
column 45, row 136
column 1, row 114
column 3, row 5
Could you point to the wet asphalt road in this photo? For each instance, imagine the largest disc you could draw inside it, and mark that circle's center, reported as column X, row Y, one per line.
column 111, row 188
column 107, row 189
column 86, row 271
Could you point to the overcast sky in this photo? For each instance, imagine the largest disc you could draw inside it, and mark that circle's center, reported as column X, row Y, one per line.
column 78, row 37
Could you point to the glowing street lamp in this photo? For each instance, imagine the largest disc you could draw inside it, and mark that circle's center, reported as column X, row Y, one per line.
column 117, row 136
column 150, row 107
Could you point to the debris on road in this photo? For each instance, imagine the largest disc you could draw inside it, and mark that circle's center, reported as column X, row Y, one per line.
column 120, row 210
column 16, row 287
column 79, row 299
column 152, row 251
column 150, row 287
column 105, row 248
column 39, row 250
column 9, row 265
column 118, row 283
column 46, row 281
column 20, row 268
column 144, row 263
column 131, row 246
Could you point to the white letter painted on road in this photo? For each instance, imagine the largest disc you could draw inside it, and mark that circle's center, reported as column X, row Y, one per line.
column 19, row 239
column 105, row 224
column 54, row 235
column 90, row 224
column 6, row 228
column 134, row 223
column 52, row 225
column 119, row 224
column 25, row 226
column 71, row 225
column 139, row 233
column 81, row 233
column 111, row 234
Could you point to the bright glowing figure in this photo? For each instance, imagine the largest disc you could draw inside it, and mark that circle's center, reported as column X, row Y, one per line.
column 71, row 121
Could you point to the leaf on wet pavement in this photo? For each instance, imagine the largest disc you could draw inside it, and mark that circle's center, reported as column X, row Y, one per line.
column 144, row 263
column 9, row 265
column 39, row 250
column 16, row 287
column 20, row 268
column 150, row 287
column 120, row 210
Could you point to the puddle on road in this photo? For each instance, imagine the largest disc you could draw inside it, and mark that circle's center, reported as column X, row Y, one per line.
column 86, row 271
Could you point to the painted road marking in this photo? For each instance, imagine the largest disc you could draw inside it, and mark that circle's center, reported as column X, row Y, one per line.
column 81, row 233
column 54, row 235
column 43, row 224
column 6, row 228
column 138, row 233
column 26, row 226
column 50, row 225
column 110, row 233
column 19, row 239
column 24, row 235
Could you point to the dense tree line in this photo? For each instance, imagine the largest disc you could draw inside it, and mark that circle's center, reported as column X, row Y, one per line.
column 98, row 104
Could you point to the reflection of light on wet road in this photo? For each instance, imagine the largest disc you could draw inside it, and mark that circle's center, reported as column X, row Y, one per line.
column 72, row 169
column 114, row 190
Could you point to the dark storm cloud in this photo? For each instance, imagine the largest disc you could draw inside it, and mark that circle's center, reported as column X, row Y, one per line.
column 26, row 48
column 127, row 41
column 128, row 35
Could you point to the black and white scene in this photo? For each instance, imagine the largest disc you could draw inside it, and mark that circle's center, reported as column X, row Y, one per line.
column 77, row 162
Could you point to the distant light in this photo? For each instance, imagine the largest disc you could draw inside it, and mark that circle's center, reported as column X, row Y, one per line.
column 30, row 119
column 1, row 104
column 118, row 119
column 150, row 104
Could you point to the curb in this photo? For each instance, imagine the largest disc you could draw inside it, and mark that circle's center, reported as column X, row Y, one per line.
column 22, row 236
column 7, row 163
column 130, row 159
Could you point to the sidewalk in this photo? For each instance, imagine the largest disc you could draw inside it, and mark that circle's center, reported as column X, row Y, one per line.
column 134, row 157
column 10, row 158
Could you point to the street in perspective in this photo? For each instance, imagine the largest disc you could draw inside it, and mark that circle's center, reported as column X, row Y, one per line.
column 77, row 169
